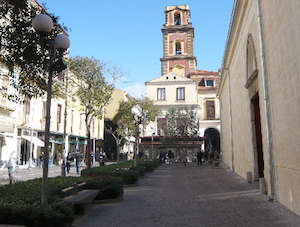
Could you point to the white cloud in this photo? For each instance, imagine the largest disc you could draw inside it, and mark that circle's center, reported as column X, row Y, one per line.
column 137, row 90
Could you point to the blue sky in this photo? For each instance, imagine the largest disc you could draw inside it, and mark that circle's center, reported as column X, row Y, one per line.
column 128, row 34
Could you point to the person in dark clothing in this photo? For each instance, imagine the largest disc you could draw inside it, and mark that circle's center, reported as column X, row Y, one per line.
column 199, row 157
column 206, row 155
column 69, row 160
column 78, row 158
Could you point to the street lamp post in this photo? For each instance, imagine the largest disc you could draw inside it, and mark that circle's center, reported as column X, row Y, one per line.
column 43, row 25
column 151, row 156
column 63, row 166
column 137, row 113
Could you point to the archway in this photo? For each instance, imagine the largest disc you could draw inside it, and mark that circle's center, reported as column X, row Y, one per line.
column 212, row 139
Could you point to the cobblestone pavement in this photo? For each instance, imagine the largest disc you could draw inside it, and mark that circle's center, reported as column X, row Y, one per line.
column 174, row 195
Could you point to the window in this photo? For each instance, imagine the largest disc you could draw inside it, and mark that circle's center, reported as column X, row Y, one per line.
column 93, row 120
column 180, row 94
column 251, row 60
column 72, row 120
column 27, row 111
column 44, row 111
column 5, row 82
column 161, row 123
column 99, row 128
column 210, row 110
column 177, row 20
column 80, row 122
column 209, row 83
column 27, row 107
column 161, row 94
column 58, row 113
column 178, row 48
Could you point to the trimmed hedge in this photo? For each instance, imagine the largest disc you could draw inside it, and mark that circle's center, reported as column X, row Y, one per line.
column 20, row 202
column 109, row 188
column 128, row 176
column 126, row 170
column 57, row 213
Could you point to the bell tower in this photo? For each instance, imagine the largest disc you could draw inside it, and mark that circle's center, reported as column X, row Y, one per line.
column 178, row 42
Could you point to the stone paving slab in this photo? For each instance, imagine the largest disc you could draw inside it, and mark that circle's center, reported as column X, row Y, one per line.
column 174, row 195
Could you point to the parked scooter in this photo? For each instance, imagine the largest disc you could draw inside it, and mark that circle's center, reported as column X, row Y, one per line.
column 101, row 160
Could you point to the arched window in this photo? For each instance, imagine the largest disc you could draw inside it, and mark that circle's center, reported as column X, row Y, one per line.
column 177, row 19
column 251, row 60
column 178, row 48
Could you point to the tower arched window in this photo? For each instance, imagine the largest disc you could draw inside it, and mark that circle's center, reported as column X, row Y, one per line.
column 178, row 48
column 177, row 18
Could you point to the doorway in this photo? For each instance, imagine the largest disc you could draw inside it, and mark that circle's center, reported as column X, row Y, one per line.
column 212, row 140
column 258, row 148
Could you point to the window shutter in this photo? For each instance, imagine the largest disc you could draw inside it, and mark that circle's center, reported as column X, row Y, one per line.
column 210, row 110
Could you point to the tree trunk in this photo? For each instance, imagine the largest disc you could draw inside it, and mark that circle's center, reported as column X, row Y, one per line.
column 118, row 153
column 88, row 152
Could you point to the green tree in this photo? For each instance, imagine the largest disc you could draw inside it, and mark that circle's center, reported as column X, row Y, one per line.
column 124, row 119
column 91, row 89
column 181, row 121
column 23, row 52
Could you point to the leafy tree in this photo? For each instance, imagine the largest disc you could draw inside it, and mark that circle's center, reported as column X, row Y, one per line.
column 91, row 89
column 23, row 52
column 124, row 119
column 181, row 122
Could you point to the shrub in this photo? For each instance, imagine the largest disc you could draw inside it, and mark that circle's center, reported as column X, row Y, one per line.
column 109, row 188
column 20, row 202
column 140, row 169
column 125, row 170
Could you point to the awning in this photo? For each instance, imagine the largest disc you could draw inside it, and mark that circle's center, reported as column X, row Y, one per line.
column 55, row 141
column 34, row 140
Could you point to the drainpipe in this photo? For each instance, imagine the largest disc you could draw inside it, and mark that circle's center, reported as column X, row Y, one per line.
column 266, row 102
column 230, row 119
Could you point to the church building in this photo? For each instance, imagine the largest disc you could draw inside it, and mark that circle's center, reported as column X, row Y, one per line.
column 181, row 84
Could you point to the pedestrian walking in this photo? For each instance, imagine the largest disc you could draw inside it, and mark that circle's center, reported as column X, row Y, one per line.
column 11, row 167
column 58, row 158
column 184, row 157
column 199, row 157
column 41, row 159
column 78, row 158
column 170, row 155
column 69, row 161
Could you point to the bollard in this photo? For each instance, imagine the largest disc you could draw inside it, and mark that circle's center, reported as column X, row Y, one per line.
column 262, row 185
column 249, row 177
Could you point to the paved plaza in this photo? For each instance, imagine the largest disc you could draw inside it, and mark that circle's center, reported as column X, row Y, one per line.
column 174, row 195
column 23, row 173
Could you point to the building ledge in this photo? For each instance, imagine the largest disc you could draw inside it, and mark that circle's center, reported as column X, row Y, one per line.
column 209, row 121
